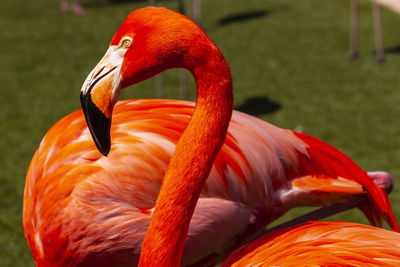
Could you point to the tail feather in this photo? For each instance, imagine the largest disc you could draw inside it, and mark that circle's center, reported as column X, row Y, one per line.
column 325, row 160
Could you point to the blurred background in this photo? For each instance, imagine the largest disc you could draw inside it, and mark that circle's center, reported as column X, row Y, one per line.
column 289, row 61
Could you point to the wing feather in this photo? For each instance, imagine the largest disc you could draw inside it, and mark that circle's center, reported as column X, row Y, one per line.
column 321, row 244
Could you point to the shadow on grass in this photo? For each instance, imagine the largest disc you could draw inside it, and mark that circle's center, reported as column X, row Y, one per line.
column 393, row 50
column 259, row 106
column 239, row 17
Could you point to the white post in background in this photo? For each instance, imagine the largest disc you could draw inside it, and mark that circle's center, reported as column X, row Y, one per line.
column 196, row 6
column 353, row 46
column 183, row 77
column 376, row 12
column 159, row 78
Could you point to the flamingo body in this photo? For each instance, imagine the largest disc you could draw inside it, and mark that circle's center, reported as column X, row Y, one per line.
column 393, row 5
column 321, row 244
column 77, row 199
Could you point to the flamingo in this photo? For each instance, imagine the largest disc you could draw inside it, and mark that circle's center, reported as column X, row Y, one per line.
column 84, row 209
column 321, row 244
column 376, row 16
column 393, row 5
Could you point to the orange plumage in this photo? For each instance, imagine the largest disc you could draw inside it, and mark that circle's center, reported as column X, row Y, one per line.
column 321, row 244
column 76, row 198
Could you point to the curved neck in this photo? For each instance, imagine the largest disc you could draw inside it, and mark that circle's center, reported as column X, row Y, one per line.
column 190, row 165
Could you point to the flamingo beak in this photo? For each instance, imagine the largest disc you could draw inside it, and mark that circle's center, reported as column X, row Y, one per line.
column 99, row 93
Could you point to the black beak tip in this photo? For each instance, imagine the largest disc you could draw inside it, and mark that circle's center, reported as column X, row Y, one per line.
column 99, row 125
column 103, row 148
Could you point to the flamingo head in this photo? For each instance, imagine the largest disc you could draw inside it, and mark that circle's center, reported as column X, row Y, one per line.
column 149, row 41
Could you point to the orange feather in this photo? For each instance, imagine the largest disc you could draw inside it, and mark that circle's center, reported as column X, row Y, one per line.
column 321, row 244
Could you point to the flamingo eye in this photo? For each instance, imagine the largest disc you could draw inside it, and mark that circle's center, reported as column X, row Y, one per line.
column 126, row 42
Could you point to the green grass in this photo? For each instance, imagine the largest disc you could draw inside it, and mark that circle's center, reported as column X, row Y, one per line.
column 295, row 55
